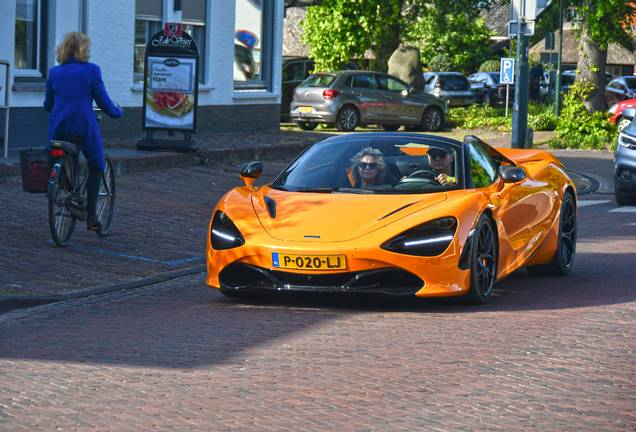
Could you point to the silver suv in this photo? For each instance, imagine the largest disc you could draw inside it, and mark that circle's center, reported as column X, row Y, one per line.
column 453, row 87
column 349, row 99
column 625, row 162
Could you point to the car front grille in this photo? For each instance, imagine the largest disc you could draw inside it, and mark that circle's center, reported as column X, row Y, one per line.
column 392, row 281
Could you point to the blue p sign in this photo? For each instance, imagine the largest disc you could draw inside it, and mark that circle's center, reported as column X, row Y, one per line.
column 507, row 71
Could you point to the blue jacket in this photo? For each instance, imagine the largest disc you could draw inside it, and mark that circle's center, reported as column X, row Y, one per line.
column 70, row 90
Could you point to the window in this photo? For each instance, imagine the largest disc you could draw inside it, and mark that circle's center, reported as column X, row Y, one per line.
column 253, row 26
column 29, row 38
column 363, row 81
column 147, row 23
column 193, row 18
column 391, row 84
column 294, row 71
column 482, row 167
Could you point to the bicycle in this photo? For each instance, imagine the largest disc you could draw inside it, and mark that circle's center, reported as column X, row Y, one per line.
column 66, row 191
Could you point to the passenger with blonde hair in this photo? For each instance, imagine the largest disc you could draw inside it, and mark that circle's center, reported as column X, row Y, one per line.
column 71, row 88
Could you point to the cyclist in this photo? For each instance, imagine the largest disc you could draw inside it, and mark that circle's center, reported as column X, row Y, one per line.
column 71, row 88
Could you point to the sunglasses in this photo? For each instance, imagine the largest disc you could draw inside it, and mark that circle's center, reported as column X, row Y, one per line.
column 365, row 165
column 438, row 155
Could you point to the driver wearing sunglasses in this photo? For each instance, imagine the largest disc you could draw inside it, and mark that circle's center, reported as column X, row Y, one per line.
column 442, row 161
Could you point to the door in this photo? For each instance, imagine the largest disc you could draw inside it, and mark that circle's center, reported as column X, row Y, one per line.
column 365, row 94
column 293, row 74
column 401, row 105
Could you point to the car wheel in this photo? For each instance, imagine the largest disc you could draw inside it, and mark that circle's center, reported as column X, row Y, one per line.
column 483, row 262
column 622, row 199
column 308, row 126
column 561, row 263
column 348, row 119
column 623, row 123
column 486, row 99
column 390, row 128
column 432, row 120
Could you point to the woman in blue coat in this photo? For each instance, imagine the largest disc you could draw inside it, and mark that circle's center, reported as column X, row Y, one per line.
column 71, row 88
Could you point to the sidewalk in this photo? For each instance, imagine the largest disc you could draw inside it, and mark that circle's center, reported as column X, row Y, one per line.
column 162, row 215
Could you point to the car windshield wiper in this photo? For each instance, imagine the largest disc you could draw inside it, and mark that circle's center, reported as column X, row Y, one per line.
column 336, row 190
column 278, row 187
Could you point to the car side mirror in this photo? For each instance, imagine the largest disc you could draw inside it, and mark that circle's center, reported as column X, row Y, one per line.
column 251, row 171
column 629, row 113
column 511, row 174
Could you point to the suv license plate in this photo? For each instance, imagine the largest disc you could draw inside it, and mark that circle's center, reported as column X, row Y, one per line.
column 309, row 262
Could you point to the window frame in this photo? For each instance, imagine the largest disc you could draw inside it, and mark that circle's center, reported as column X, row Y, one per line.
column 40, row 72
column 265, row 83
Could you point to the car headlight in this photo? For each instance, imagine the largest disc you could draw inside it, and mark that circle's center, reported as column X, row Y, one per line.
column 224, row 234
column 428, row 239
column 627, row 141
column 612, row 109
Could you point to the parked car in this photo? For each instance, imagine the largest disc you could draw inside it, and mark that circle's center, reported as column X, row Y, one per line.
column 353, row 98
column 317, row 228
column 616, row 112
column 488, row 90
column 295, row 71
column 625, row 162
column 453, row 87
column 620, row 89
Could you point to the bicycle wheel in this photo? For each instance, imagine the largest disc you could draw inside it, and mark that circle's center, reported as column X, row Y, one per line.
column 106, row 199
column 61, row 220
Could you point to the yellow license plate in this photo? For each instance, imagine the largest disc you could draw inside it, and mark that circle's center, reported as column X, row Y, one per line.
column 304, row 109
column 309, row 262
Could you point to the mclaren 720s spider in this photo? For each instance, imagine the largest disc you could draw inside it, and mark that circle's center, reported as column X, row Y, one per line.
column 400, row 214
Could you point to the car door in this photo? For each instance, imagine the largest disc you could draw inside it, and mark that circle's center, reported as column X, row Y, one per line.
column 401, row 104
column 523, row 208
column 478, row 85
column 367, row 97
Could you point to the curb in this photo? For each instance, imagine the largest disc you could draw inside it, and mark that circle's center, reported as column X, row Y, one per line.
column 594, row 184
column 10, row 303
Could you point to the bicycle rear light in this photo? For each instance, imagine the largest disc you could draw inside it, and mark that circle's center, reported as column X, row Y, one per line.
column 57, row 152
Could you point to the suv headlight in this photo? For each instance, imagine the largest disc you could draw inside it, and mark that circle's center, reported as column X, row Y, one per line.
column 627, row 141
column 428, row 239
column 224, row 234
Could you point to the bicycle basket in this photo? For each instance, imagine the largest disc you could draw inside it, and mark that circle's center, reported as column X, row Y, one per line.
column 35, row 166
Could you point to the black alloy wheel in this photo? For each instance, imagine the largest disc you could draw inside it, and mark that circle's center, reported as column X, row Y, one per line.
column 483, row 262
column 348, row 119
column 432, row 120
column 563, row 259
column 307, row 126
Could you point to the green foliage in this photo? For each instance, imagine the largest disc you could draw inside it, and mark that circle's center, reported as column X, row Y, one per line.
column 608, row 21
column 579, row 129
column 461, row 35
column 490, row 66
column 441, row 63
column 339, row 30
column 540, row 117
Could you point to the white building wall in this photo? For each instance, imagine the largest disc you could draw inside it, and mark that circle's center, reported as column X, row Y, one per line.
column 111, row 29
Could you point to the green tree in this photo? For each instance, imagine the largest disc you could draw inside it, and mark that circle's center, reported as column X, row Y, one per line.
column 339, row 30
column 602, row 22
column 462, row 36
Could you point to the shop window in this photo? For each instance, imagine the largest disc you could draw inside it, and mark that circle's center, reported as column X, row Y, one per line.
column 147, row 23
column 193, row 19
column 29, row 41
column 253, row 44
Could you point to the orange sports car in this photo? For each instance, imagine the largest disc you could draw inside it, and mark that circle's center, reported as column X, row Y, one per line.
column 395, row 214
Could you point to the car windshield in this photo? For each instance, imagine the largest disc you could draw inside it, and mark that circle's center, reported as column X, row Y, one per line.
column 373, row 164
column 631, row 83
column 454, row 82
column 318, row 81
column 567, row 80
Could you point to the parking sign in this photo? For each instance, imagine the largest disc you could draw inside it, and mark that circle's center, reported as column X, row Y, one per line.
column 507, row 71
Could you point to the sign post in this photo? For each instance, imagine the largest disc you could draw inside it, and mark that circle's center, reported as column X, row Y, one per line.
column 170, row 90
column 507, row 76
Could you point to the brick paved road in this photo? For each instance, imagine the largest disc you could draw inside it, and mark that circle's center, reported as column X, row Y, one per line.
column 160, row 226
column 546, row 354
